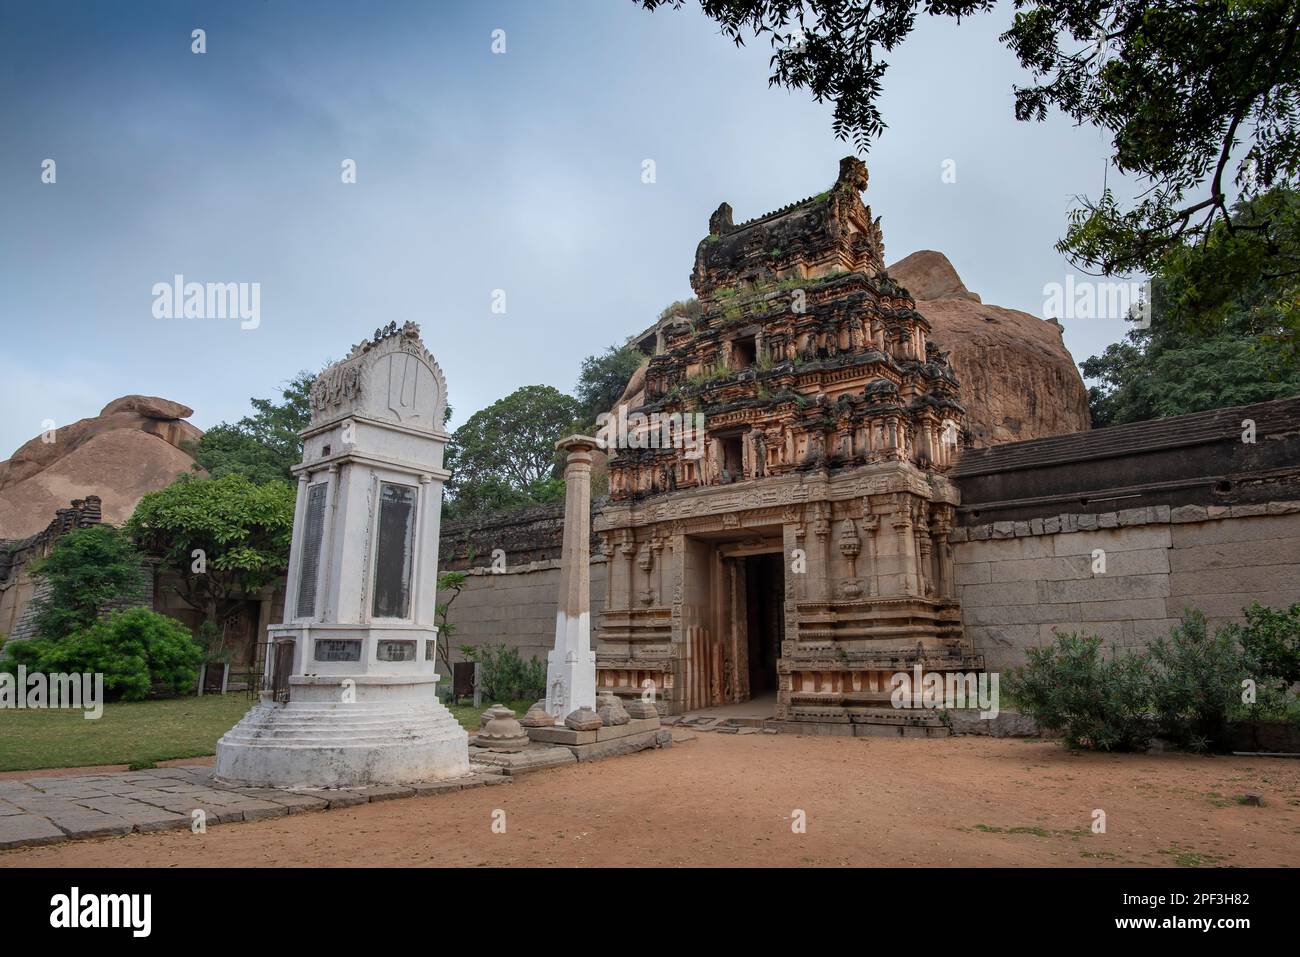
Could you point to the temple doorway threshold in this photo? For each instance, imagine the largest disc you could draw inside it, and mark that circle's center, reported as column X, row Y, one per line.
column 756, row 714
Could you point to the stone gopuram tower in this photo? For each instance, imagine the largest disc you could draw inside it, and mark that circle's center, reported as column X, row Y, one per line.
column 350, row 697
column 800, row 548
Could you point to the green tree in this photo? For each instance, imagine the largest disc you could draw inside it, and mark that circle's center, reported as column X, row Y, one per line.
column 450, row 584
column 262, row 446
column 87, row 570
column 504, row 456
column 1194, row 96
column 224, row 537
column 604, row 377
column 1221, row 331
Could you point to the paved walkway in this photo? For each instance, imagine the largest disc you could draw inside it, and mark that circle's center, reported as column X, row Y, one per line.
column 45, row 810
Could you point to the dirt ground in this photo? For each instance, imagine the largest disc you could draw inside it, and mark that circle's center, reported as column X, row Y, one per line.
column 94, row 769
column 729, row 800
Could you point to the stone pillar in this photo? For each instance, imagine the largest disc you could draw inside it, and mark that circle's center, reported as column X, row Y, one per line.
column 571, row 666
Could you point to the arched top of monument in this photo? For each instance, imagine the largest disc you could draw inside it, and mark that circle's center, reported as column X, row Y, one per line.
column 390, row 377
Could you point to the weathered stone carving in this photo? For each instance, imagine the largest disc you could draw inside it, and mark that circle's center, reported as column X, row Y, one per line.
column 638, row 710
column 583, row 719
column 538, row 717
column 611, row 710
column 501, row 731
column 826, row 409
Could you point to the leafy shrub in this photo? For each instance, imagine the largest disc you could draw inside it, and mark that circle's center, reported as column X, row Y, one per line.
column 1195, row 679
column 504, row 675
column 134, row 650
column 1273, row 702
column 1270, row 641
column 1092, row 701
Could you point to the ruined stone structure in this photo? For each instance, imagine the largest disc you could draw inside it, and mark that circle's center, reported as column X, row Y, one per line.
column 802, row 547
column 17, row 557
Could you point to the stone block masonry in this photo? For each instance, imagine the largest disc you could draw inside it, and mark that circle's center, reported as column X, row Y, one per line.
column 1195, row 511
column 1016, row 592
column 515, row 608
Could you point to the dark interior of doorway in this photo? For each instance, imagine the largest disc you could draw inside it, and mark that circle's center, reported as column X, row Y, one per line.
column 765, row 594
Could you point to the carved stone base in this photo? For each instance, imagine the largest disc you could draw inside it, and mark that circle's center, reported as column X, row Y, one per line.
column 318, row 743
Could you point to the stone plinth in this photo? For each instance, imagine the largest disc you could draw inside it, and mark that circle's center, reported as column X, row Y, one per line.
column 574, row 736
column 331, row 745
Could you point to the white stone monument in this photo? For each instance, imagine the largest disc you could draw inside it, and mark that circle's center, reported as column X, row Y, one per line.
column 571, row 665
column 350, row 679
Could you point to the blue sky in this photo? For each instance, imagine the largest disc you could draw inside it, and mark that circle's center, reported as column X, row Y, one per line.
column 475, row 172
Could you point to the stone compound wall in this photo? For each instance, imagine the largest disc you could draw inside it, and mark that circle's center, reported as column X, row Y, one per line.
column 515, row 608
column 1017, row 581
column 1020, row 581
column 1209, row 520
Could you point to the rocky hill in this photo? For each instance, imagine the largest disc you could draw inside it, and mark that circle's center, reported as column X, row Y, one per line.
column 1018, row 380
column 132, row 447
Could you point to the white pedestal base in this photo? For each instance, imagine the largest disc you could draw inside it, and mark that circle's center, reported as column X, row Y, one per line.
column 570, row 668
column 320, row 740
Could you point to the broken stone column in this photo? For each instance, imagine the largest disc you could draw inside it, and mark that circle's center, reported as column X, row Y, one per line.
column 571, row 666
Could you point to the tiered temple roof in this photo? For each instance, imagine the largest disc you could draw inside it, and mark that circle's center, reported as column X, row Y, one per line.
column 805, row 355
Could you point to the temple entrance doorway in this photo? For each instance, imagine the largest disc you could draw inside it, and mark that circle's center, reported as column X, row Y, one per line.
column 765, row 620
column 733, row 618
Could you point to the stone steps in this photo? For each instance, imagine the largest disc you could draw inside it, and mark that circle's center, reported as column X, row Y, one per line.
column 338, row 745
column 338, row 727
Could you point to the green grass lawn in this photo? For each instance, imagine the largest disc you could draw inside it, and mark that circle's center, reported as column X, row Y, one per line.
column 127, row 733
column 470, row 716
column 141, row 732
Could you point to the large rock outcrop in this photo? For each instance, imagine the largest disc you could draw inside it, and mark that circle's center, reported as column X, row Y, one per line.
column 134, row 446
column 1018, row 381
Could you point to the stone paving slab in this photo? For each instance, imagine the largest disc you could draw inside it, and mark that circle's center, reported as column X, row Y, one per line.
column 141, row 817
column 46, row 810
column 387, row 793
column 83, row 822
column 535, row 757
column 436, row 787
column 485, row 781
column 22, row 830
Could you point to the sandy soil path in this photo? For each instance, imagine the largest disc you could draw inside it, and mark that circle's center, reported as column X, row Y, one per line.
column 728, row 800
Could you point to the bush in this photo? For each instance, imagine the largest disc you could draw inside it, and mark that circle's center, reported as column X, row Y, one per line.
column 1270, row 642
column 1194, row 682
column 505, row 676
column 1094, row 702
column 134, row 650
